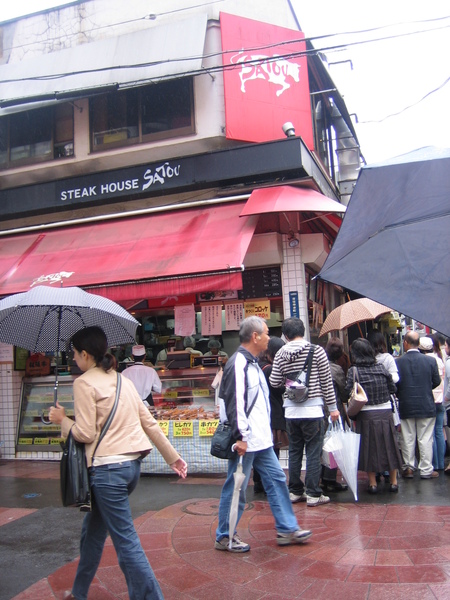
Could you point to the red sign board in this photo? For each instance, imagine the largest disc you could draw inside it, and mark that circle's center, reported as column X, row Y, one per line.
column 266, row 81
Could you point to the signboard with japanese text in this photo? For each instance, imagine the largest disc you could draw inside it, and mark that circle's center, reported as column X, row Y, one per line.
column 212, row 318
column 183, row 428
column 234, row 315
column 258, row 308
column 265, row 79
column 184, row 320
column 207, row 428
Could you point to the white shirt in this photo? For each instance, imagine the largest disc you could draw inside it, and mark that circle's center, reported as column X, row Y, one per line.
column 145, row 379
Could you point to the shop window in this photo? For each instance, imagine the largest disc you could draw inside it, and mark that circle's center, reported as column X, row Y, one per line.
column 140, row 115
column 36, row 136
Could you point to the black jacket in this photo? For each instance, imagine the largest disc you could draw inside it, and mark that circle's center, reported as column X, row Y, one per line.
column 419, row 374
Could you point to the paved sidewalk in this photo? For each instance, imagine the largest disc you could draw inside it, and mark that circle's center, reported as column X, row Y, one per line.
column 383, row 547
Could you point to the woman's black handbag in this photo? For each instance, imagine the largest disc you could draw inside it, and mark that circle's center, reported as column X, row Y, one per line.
column 74, row 475
column 222, row 441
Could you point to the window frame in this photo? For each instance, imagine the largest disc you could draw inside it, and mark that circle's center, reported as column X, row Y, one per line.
column 145, row 138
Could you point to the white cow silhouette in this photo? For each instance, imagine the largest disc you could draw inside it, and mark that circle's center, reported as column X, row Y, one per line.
column 268, row 68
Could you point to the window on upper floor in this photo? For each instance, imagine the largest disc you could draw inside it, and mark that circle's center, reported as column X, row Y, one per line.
column 157, row 111
column 35, row 136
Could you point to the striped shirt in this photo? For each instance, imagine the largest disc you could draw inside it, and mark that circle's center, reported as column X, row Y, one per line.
column 287, row 364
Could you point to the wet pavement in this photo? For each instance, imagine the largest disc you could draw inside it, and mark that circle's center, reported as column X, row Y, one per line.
column 388, row 546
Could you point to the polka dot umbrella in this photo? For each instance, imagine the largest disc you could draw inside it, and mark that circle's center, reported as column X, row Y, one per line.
column 45, row 318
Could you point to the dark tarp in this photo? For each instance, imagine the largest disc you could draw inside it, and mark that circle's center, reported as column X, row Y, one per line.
column 394, row 242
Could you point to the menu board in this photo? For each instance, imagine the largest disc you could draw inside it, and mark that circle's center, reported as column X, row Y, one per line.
column 262, row 283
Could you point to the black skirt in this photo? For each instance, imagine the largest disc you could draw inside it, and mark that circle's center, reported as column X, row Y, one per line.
column 378, row 449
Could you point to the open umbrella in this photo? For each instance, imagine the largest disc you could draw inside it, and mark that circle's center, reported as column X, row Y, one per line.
column 239, row 478
column 355, row 311
column 393, row 241
column 45, row 318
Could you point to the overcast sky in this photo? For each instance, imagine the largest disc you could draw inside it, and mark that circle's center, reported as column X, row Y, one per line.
column 396, row 88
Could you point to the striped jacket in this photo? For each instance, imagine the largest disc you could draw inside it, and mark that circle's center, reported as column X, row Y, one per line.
column 290, row 360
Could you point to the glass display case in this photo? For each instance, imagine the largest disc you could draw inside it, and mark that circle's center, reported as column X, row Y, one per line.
column 36, row 397
column 186, row 394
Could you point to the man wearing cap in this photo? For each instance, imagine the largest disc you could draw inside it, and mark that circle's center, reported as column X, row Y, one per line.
column 418, row 376
column 145, row 378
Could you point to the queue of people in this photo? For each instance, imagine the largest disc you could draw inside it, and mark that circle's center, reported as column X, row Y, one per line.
column 256, row 403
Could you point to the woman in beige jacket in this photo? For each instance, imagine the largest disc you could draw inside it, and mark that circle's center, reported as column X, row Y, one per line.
column 115, row 469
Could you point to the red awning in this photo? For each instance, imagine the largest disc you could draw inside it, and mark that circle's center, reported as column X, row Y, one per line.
column 157, row 255
column 285, row 198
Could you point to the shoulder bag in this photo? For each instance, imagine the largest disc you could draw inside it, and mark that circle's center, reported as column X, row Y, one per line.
column 74, row 475
column 297, row 391
column 357, row 397
column 222, row 440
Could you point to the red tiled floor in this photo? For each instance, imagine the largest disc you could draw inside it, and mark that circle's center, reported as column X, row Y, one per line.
column 357, row 552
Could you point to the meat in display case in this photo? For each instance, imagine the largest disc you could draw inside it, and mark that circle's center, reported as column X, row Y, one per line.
column 186, row 394
column 36, row 397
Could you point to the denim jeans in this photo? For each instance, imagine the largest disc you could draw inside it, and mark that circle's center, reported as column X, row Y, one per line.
column 274, row 482
column 111, row 485
column 305, row 435
column 439, row 445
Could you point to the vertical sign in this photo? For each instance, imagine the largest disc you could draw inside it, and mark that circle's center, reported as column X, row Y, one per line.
column 234, row 315
column 184, row 320
column 212, row 319
column 293, row 304
column 265, row 79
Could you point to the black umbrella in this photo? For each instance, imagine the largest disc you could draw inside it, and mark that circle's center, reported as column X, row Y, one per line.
column 394, row 241
column 45, row 318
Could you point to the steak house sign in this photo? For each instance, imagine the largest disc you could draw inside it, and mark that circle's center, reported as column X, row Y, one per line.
column 150, row 177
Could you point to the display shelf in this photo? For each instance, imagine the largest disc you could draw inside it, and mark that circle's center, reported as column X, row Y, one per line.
column 36, row 397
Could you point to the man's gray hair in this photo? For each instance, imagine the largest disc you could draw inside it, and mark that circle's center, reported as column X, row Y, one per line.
column 250, row 325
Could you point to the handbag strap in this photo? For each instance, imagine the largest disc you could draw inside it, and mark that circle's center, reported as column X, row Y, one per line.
column 111, row 414
column 355, row 375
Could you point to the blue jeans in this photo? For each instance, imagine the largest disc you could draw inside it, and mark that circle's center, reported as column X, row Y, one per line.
column 110, row 486
column 274, row 482
column 305, row 435
column 439, row 445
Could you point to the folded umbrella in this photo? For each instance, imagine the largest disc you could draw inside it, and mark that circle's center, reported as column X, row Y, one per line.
column 239, row 478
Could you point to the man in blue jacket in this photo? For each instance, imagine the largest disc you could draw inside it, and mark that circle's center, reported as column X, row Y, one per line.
column 418, row 376
column 245, row 405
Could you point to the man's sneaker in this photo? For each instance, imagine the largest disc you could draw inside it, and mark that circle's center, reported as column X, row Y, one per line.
column 295, row 498
column 311, row 501
column 296, row 537
column 237, row 545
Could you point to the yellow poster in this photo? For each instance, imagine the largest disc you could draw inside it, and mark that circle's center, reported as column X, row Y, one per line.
column 183, row 428
column 258, row 308
column 207, row 428
column 165, row 427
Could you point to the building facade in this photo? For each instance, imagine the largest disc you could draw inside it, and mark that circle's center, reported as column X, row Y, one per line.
column 195, row 156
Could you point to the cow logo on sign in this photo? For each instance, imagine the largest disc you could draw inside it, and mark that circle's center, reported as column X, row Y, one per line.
column 274, row 69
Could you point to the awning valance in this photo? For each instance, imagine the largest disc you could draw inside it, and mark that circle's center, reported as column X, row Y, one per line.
column 167, row 51
column 158, row 255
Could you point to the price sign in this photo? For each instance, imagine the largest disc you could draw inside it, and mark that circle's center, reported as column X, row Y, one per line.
column 40, row 441
column 24, row 441
column 207, row 428
column 170, row 395
column 183, row 428
column 165, row 427
column 55, row 441
column 197, row 392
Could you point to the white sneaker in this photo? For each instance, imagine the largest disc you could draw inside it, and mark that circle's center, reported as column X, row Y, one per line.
column 294, row 498
column 311, row 501
column 296, row 537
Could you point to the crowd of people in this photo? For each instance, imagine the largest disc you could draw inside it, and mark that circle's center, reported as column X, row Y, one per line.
column 259, row 393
